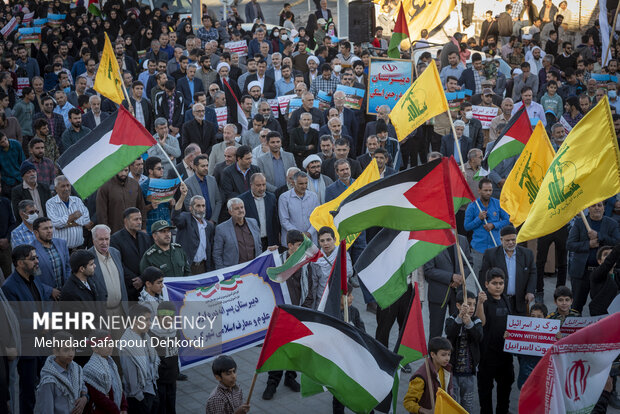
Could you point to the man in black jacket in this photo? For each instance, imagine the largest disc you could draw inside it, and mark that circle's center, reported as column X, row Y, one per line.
column 131, row 242
column 604, row 283
column 199, row 131
column 236, row 177
column 163, row 110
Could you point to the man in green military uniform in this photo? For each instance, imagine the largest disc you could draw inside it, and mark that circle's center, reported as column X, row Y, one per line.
column 167, row 256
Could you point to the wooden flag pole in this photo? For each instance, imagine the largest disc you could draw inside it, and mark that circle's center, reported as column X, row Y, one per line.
column 585, row 221
column 346, row 307
column 461, row 269
column 251, row 388
column 458, row 146
column 429, row 382
column 612, row 30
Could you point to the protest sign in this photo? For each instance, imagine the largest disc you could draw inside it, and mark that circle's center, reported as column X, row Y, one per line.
column 161, row 190
column 572, row 324
column 353, row 96
column 566, row 125
column 530, row 336
column 21, row 84
column 222, row 115
column 240, row 47
column 55, row 20
column 484, row 114
column 238, row 299
column 28, row 35
column 28, row 17
column 283, row 102
column 388, row 80
column 274, row 107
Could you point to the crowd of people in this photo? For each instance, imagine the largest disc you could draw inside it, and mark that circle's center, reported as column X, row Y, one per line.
column 251, row 181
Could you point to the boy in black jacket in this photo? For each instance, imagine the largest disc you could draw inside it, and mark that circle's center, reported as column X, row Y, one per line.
column 495, row 364
column 604, row 286
column 464, row 330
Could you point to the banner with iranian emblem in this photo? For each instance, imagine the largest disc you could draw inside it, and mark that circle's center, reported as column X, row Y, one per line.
column 388, row 81
column 530, row 336
column 571, row 376
column 235, row 303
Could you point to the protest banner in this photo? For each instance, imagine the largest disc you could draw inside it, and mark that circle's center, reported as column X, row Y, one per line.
column 8, row 28
column 240, row 47
column 283, row 102
column 353, row 96
column 39, row 22
column 28, row 17
column 388, row 80
column 55, row 20
column 239, row 300
column 222, row 115
column 28, row 35
column 162, row 190
column 21, row 84
column 324, row 99
column 530, row 336
column 566, row 125
column 274, row 107
column 484, row 114
column 573, row 324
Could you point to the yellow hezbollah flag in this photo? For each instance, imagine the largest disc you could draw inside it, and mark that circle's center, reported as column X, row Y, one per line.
column 423, row 100
column 444, row 404
column 108, row 80
column 521, row 186
column 321, row 215
column 585, row 171
column 426, row 14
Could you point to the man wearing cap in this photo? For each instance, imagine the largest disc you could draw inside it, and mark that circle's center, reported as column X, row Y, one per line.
column 518, row 265
column 30, row 189
column 168, row 257
column 317, row 182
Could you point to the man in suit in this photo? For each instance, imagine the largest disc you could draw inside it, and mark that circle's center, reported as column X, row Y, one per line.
column 143, row 108
column 253, row 12
column 474, row 126
column 346, row 115
column 109, row 277
column 199, row 131
column 131, row 242
column 229, row 159
column 236, row 177
column 448, row 146
column 383, row 112
column 382, row 157
column 372, row 143
column 276, row 162
column 268, row 84
column 261, row 206
column 53, row 258
column 95, row 116
column 237, row 240
column 304, row 140
column 186, row 166
column 518, row 265
column 189, row 85
column 584, row 244
column 443, row 274
column 28, row 188
column 204, row 185
column 194, row 232
column 163, row 110
column 341, row 152
column 22, row 286
column 229, row 132
column 323, row 12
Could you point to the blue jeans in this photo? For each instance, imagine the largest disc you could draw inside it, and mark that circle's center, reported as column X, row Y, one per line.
column 465, row 391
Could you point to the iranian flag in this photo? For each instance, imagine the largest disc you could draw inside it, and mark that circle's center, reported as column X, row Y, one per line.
column 418, row 198
column 107, row 149
column 399, row 33
column 353, row 366
column 94, row 7
column 571, row 376
column 306, row 252
column 510, row 143
column 392, row 255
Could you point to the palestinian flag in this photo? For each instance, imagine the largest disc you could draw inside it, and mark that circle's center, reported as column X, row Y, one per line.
column 107, row 149
column 510, row 143
column 392, row 255
column 94, row 8
column 419, row 198
column 306, row 252
column 353, row 366
column 399, row 33
column 336, row 285
column 412, row 344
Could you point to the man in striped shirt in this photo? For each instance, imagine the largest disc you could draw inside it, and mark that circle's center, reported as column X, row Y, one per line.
column 69, row 215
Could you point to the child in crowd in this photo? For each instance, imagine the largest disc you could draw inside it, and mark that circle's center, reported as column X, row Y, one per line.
column 102, row 378
column 139, row 363
column 61, row 389
column 153, row 279
column 227, row 397
column 495, row 364
column 464, row 331
column 528, row 362
column 165, row 330
column 604, row 284
column 552, row 103
column 418, row 399
column 563, row 298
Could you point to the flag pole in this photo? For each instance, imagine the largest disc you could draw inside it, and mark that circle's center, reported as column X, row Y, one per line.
column 458, row 146
column 174, row 167
column 486, row 222
column 461, row 269
column 471, row 270
column 583, row 216
column 251, row 388
column 612, row 31
column 429, row 382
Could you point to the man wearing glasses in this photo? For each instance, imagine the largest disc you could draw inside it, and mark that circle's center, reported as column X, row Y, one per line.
column 198, row 131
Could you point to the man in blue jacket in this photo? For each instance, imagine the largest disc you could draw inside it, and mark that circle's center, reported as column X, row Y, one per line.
column 485, row 218
column 53, row 258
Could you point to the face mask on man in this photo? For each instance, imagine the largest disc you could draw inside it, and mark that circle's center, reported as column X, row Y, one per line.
column 469, row 115
column 337, row 68
column 31, row 218
column 612, row 94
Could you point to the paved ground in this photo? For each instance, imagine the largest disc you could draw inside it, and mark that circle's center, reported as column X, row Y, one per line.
column 192, row 394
